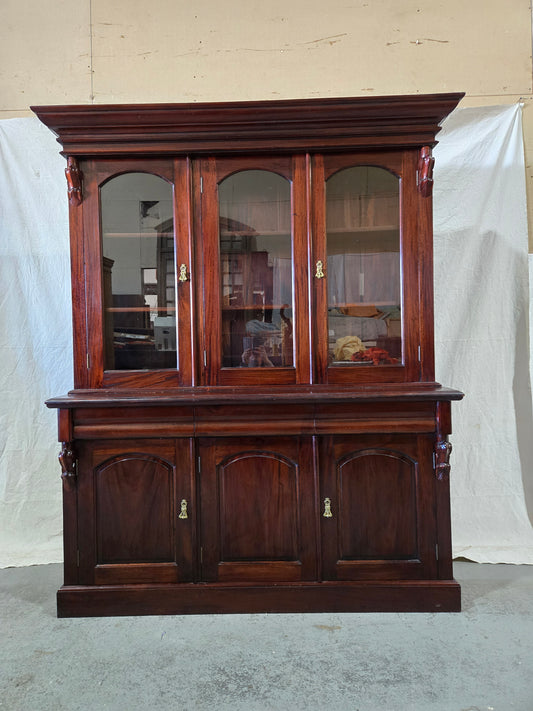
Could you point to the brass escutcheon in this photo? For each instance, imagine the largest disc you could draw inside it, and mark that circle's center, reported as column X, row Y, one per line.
column 183, row 273
column 183, row 512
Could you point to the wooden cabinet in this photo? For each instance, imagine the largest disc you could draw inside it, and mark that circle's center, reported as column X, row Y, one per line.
column 255, row 423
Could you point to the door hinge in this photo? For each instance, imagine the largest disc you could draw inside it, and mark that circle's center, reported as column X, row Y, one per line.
column 78, row 558
column 419, row 353
column 201, row 555
column 205, row 359
column 199, row 465
column 437, row 551
column 201, row 185
column 88, row 362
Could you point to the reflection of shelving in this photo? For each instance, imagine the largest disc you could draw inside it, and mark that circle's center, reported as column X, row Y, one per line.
column 254, row 307
column 362, row 228
column 349, row 210
column 356, row 243
column 119, row 235
column 356, row 304
column 166, row 273
column 125, row 309
column 263, row 233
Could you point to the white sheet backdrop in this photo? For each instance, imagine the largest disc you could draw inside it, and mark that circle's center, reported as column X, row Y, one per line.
column 481, row 290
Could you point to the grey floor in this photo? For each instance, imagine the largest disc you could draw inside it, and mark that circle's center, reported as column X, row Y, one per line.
column 478, row 660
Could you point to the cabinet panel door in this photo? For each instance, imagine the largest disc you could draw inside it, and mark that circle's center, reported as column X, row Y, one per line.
column 379, row 520
column 129, row 501
column 257, row 510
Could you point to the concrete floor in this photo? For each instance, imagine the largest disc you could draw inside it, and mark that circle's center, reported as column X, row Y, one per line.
column 478, row 660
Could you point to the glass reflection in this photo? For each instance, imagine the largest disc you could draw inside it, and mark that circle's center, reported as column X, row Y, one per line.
column 363, row 267
column 256, row 270
column 139, row 273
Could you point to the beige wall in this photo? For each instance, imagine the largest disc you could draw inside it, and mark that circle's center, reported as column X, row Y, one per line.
column 103, row 51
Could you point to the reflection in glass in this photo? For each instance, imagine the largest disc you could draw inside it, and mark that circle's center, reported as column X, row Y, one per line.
column 256, row 270
column 139, row 274
column 363, row 267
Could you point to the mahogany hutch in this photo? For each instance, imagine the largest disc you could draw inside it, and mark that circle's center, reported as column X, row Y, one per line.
column 255, row 424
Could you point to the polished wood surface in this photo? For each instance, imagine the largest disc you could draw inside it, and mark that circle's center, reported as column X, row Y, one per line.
column 315, row 484
column 186, row 599
column 258, row 126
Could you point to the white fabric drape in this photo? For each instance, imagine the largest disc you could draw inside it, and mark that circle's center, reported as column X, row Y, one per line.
column 35, row 339
column 481, row 332
column 481, row 291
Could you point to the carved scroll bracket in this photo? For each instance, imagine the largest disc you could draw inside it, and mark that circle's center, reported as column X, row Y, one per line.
column 73, row 174
column 67, row 459
column 443, row 449
column 425, row 171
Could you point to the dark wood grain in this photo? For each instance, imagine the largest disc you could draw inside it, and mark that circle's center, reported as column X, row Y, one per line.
column 365, row 596
column 255, row 524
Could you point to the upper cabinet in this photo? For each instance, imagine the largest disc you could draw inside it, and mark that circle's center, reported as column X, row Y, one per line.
column 273, row 243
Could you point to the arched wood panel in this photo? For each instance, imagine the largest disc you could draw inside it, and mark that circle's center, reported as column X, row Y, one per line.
column 380, row 485
column 129, row 529
column 134, row 510
column 380, row 490
column 258, row 511
column 257, row 515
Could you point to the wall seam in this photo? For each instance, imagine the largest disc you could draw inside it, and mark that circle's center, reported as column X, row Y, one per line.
column 91, row 67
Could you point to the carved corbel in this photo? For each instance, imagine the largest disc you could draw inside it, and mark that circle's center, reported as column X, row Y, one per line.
column 425, row 171
column 443, row 449
column 73, row 174
column 67, row 460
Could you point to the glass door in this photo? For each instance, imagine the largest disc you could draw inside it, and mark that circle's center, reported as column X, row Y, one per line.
column 138, row 278
column 253, row 270
column 361, row 326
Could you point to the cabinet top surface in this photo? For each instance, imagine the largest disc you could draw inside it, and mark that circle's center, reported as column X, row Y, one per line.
column 301, row 124
column 228, row 395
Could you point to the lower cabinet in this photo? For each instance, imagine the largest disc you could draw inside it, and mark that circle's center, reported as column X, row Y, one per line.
column 320, row 517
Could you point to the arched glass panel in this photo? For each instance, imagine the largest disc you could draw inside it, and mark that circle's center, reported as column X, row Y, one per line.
column 363, row 267
column 139, row 273
column 256, row 269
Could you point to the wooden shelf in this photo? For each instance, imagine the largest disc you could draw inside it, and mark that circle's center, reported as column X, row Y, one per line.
column 138, row 309
column 256, row 307
column 347, row 229
column 113, row 235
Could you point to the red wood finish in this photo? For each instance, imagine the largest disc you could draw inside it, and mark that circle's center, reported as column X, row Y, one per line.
column 256, row 502
column 73, row 175
column 259, row 126
column 425, row 171
column 203, row 488
column 199, row 298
